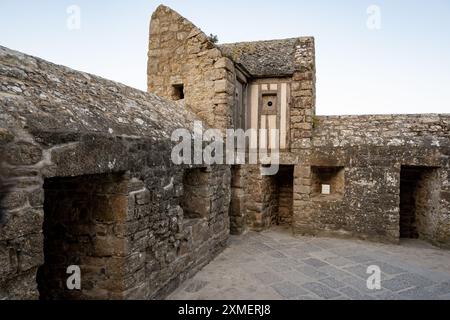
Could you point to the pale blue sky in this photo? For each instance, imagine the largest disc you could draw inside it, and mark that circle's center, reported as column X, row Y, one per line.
column 402, row 68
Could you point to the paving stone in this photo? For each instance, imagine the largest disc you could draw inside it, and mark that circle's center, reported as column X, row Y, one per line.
column 289, row 240
column 360, row 258
column 304, row 298
column 280, row 266
column 235, row 241
column 321, row 290
column 315, row 262
column 322, row 255
column 312, row 272
column 440, row 289
column 444, row 297
column 246, row 271
column 261, row 246
column 338, row 261
column 268, row 277
column 289, row 290
column 359, row 271
column 332, row 283
column 297, row 253
column 406, row 281
column 361, row 285
column 342, row 298
column 335, row 272
column 355, row 294
column 308, row 248
column 344, row 251
column 417, row 294
column 282, row 246
column 387, row 268
column 296, row 277
column 277, row 255
column 387, row 296
column 324, row 243
column 435, row 276
column 293, row 262
column 416, row 280
column 252, row 249
column 254, row 267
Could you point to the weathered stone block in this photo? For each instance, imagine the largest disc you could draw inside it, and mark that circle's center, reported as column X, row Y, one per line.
column 12, row 200
column 23, row 153
column 221, row 86
column 110, row 208
column 224, row 63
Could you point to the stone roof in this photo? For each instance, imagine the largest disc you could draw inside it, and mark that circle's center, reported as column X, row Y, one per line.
column 264, row 58
column 39, row 96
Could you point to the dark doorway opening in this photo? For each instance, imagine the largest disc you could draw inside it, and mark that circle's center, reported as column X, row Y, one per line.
column 177, row 92
column 419, row 201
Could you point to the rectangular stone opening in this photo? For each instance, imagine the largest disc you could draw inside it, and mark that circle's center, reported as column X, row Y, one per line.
column 419, row 202
column 285, row 196
column 277, row 199
column 196, row 200
column 328, row 182
column 178, row 92
column 82, row 218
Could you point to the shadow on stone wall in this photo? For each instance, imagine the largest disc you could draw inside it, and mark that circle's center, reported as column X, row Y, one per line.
column 3, row 192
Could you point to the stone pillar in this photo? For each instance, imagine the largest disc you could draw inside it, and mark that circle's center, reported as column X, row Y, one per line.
column 238, row 217
column 21, row 217
column 303, row 95
column 302, row 200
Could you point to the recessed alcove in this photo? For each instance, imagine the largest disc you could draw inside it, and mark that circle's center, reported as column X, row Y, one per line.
column 328, row 182
column 81, row 215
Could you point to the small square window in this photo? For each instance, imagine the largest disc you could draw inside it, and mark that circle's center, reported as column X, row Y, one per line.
column 269, row 103
column 177, row 92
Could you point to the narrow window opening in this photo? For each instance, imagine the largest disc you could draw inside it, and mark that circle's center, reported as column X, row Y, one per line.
column 178, row 92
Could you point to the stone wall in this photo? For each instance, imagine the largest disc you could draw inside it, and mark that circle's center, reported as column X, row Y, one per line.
column 179, row 247
column 382, row 131
column 56, row 123
column 303, row 95
column 254, row 199
column 181, row 54
column 371, row 150
column 238, row 216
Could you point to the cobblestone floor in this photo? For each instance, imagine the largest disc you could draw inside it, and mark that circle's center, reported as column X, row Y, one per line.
column 275, row 265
